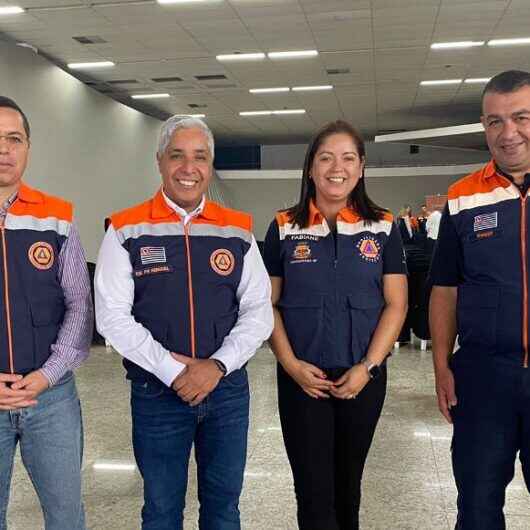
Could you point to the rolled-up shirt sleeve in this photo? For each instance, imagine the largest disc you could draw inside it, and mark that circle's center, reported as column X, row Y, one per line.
column 255, row 319
column 114, row 297
column 72, row 345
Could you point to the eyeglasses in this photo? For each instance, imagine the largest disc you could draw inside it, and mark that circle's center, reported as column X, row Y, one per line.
column 14, row 141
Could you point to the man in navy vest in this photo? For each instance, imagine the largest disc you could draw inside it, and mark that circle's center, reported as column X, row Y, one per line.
column 45, row 331
column 480, row 273
column 183, row 295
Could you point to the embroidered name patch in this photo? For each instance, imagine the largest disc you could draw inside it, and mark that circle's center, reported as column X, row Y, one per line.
column 150, row 255
column 485, row 221
column 41, row 255
column 369, row 249
column 151, row 270
column 222, row 261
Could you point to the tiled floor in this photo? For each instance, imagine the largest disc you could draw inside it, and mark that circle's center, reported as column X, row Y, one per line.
column 408, row 481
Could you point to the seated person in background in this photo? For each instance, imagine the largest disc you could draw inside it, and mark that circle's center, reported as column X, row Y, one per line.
column 408, row 225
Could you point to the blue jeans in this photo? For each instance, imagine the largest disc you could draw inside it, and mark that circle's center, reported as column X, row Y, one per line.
column 50, row 435
column 164, row 429
column 491, row 424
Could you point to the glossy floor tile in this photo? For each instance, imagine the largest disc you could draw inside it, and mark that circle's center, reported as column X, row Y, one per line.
column 408, row 480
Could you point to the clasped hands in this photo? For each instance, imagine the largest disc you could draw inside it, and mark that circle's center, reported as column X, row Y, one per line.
column 314, row 381
column 17, row 392
column 197, row 380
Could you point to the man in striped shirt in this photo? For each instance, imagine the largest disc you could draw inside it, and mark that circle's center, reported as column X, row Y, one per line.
column 46, row 323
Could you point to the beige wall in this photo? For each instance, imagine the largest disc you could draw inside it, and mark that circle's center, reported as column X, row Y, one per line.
column 87, row 148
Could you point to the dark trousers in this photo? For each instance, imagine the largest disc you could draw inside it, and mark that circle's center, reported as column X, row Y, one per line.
column 491, row 424
column 327, row 441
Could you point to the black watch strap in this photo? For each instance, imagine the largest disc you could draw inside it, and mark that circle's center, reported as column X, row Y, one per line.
column 221, row 366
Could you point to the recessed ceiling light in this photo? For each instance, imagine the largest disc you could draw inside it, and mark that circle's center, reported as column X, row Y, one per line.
column 269, row 90
column 441, row 82
column 256, row 113
column 289, row 111
column 508, row 42
column 11, row 10
column 241, row 57
column 150, row 96
column 456, row 45
column 293, row 54
column 308, row 88
column 476, row 80
column 98, row 64
column 179, row 1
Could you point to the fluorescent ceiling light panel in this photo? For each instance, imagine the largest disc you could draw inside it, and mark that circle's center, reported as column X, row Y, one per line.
column 435, row 82
column 11, row 10
column 269, row 90
column 179, row 1
column 289, row 111
column 293, row 54
column 508, row 42
column 476, row 80
column 98, row 64
column 256, row 113
column 150, row 96
column 309, row 88
column 241, row 57
column 197, row 115
column 456, row 45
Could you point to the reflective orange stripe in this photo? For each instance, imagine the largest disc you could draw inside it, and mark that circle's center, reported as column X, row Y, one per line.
column 6, row 300
column 190, row 291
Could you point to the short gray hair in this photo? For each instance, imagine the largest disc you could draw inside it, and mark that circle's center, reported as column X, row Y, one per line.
column 180, row 121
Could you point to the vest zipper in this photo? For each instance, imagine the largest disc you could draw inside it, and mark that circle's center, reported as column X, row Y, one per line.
column 6, row 301
column 525, row 280
column 190, row 291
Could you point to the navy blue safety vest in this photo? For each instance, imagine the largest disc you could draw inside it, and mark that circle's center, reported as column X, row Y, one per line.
column 185, row 277
column 491, row 219
column 332, row 295
column 31, row 298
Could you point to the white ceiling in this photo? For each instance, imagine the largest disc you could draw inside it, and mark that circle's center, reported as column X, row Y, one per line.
column 385, row 45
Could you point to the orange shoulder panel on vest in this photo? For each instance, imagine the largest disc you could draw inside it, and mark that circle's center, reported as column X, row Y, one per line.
column 139, row 213
column 282, row 218
column 475, row 183
column 41, row 205
column 388, row 216
column 228, row 217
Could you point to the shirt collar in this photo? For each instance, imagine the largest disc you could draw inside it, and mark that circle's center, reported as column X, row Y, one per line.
column 181, row 211
column 315, row 216
column 492, row 169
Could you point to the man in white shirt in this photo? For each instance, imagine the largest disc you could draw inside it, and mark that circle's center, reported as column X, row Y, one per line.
column 433, row 224
column 183, row 295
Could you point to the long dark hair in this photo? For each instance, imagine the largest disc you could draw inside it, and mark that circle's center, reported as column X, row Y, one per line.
column 358, row 199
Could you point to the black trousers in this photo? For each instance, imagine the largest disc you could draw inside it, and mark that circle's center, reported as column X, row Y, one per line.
column 327, row 442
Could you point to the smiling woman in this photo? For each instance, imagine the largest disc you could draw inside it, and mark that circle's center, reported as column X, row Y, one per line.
column 339, row 294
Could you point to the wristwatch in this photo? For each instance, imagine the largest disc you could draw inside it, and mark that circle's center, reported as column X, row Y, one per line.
column 374, row 370
column 221, row 366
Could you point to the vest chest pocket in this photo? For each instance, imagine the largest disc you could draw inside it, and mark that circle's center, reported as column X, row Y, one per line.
column 46, row 318
column 477, row 308
column 223, row 325
column 365, row 310
column 303, row 321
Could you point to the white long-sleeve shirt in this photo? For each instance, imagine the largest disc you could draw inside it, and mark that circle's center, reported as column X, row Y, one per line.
column 114, row 298
column 433, row 224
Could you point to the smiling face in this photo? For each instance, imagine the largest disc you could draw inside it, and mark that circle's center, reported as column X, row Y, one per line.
column 506, row 120
column 186, row 167
column 14, row 149
column 336, row 169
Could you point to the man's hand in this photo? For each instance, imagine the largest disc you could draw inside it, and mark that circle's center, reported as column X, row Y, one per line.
column 197, row 380
column 311, row 378
column 351, row 382
column 12, row 397
column 35, row 383
column 445, row 390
